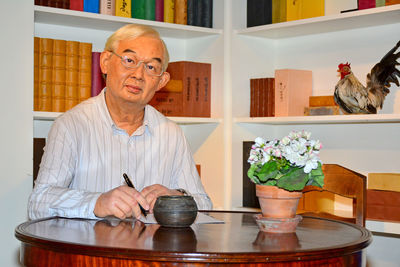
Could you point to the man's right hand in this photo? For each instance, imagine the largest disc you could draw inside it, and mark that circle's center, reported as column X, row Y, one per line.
column 121, row 202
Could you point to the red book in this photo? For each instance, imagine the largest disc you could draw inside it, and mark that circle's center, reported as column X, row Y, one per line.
column 76, row 5
column 42, row 2
column 98, row 82
column 159, row 10
column 364, row 4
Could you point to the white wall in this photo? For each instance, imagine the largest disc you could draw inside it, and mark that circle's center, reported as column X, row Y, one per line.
column 16, row 76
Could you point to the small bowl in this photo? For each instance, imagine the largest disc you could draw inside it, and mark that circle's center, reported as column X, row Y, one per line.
column 175, row 211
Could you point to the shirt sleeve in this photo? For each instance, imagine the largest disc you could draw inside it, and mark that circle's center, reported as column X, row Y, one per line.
column 51, row 195
column 186, row 175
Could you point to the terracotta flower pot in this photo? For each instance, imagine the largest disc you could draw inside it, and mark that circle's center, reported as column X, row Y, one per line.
column 277, row 203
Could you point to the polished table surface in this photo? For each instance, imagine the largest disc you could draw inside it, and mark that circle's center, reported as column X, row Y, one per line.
column 80, row 242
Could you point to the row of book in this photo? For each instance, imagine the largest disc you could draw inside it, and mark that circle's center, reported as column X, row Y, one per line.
column 187, row 12
column 65, row 74
column 262, row 12
column 288, row 93
column 188, row 93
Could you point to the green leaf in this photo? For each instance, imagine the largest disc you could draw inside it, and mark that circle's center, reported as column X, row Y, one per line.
column 294, row 179
column 251, row 173
column 317, row 176
column 268, row 171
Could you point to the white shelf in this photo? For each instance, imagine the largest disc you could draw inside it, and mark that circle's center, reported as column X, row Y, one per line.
column 331, row 119
column 345, row 21
column 66, row 17
column 51, row 116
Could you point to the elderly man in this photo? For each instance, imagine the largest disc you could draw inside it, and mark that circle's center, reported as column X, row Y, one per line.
column 92, row 145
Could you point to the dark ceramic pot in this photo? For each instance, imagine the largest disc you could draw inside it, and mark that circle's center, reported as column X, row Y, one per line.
column 175, row 211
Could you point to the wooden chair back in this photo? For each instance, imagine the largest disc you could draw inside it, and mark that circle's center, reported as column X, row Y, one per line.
column 339, row 181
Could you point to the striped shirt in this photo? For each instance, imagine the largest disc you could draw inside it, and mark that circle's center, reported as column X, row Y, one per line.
column 86, row 155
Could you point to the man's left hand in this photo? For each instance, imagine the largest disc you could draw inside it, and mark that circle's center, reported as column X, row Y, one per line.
column 152, row 192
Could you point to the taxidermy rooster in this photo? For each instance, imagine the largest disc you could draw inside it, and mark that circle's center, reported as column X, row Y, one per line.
column 353, row 97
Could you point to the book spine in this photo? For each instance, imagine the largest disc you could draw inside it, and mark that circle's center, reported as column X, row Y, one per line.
column 207, row 13
column 205, row 93
column 191, row 12
column 45, row 73
column 159, row 10
column 257, row 98
column 36, row 55
column 279, row 8
column 72, row 74
column 76, row 5
column 271, row 97
column 91, row 6
column 123, row 8
column 42, row 2
column 150, row 10
column 259, row 12
column 107, row 7
column 169, row 11
column 98, row 82
column 198, row 12
column 168, row 103
column 318, row 101
column 365, row 4
column 262, row 97
column 85, row 71
column 379, row 3
column 59, row 71
column 312, row 8
column 293, row 10
column 180, row 12
column 252, row 98
column 392, row 2
column 138, row 9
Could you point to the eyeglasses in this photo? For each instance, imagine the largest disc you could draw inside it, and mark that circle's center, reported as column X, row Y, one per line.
column 153, row 68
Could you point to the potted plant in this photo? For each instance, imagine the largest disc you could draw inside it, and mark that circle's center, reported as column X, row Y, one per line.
column 281, row 169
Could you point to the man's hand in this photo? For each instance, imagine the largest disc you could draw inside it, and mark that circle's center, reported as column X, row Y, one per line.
column 121, row 202
column 152, row 192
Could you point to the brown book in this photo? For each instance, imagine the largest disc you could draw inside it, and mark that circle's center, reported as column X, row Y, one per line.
column 252, row 98
column 45, row 74
column 168, row 103
column 203, row 90
column 187, row 71
column 180, row 12
column 71, row 74
column 263, row 97
column 384, row 181
column 320, row 111
column 85, row 71
column 271, row 97
column 319, row 101
column 58, row 82
column 36, row 52
column 383, row 205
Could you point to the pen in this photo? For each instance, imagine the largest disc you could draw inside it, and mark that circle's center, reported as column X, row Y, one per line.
column 129, row 183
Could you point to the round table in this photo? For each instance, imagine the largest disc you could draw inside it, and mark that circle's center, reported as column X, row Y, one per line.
column 238, row 242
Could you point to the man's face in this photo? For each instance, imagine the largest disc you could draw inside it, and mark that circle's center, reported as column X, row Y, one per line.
column 134, row 85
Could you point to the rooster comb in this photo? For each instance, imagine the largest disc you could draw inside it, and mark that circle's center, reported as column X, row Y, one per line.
column 341, row 66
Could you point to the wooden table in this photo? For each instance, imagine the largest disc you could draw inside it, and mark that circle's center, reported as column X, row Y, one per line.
column 238, row 242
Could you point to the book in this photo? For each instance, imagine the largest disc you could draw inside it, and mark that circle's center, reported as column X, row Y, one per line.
column 259, row 12
column 168, row 103
column 287, row 10
column 279, row 11
column 192, row 11
column 324, row 100
column 71, row 74
column 262, row 97
column 271, row 97
column 365, row 4
column 76, row 5
column 292, row 91
column 379, row 3
column 206, row 15
column 36, row 52
column 85, row 71
column 107, row 7
column 98, row 82
column 123, row 8
column 45, row 74
column 169, row 10
column 42, row 2
column 180, row 12
column 320, row 111
column 143, row 9
column 91, row 6
column 312, row 8
column 392, row 2
column 159, row 10
column 383, row 205
column 59, row 72
column 384, row 181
